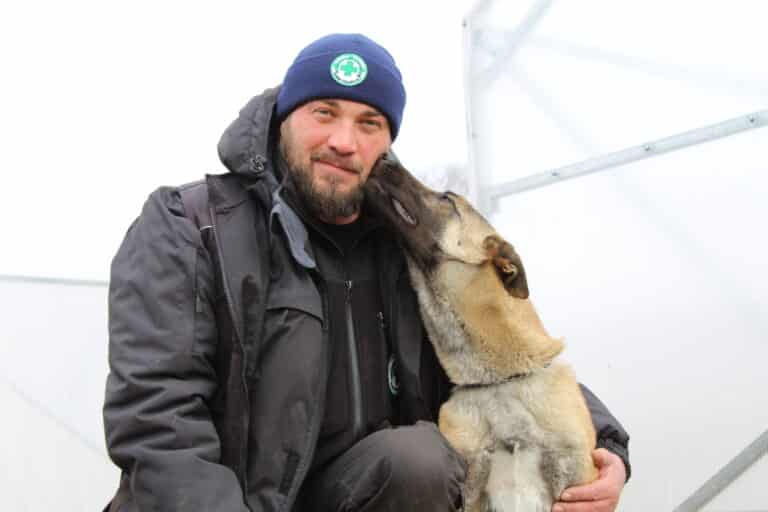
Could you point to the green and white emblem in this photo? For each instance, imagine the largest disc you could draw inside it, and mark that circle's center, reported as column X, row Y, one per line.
column 349, row 69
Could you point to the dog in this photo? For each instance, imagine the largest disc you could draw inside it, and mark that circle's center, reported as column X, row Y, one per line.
column 515, row 415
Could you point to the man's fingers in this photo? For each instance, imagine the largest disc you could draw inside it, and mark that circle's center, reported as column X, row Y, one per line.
column 597, row 490
column 603, row 457
column 592, row 506
column 602, row 495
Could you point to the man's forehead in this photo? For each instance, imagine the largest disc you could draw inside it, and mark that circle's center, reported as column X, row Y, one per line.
column 354, row 106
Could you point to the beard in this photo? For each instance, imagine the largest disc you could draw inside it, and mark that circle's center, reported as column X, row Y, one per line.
column 326, row 200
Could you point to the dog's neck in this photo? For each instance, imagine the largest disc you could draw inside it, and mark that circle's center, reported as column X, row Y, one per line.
column 512, row 378
column 462, row 361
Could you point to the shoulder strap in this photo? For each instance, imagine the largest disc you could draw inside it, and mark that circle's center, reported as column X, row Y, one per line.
column 194, row 197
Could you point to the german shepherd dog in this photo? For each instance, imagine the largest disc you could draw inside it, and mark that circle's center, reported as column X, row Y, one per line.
column 516, row 416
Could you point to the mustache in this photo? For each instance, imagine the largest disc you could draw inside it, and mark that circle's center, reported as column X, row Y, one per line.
column 333, row 159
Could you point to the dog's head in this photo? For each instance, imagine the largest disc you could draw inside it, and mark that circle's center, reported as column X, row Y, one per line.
column 465, row 266
column 438, row 227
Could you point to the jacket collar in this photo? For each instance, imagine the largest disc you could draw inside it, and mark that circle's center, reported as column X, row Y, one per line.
column 294, row 228
column 245, row 145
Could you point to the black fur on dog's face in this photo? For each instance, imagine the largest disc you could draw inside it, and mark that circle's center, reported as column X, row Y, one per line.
column 417, row 213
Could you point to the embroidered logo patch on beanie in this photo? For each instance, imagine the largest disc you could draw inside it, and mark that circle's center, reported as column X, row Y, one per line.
column 349, row 69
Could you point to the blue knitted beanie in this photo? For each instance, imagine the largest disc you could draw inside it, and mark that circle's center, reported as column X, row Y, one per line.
column 345, row 66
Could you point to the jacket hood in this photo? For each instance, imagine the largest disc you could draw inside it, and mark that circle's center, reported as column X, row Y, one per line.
column 245, row 145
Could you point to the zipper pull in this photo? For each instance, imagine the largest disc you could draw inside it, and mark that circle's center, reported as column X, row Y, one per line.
column 381, row 319
column 349, row 290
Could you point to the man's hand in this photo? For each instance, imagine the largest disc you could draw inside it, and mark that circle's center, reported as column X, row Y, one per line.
column 602, row 495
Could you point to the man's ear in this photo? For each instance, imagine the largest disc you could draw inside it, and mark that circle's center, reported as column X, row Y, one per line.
column 508, row 265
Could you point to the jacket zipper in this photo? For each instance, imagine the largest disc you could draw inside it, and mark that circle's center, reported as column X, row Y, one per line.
column 354, row 369
column 382, row 326
column 238, row 340
column 384, row 336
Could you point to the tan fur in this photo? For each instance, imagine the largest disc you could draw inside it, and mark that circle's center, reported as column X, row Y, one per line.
column 517, row 415
column 507, row 331
column 542, row 413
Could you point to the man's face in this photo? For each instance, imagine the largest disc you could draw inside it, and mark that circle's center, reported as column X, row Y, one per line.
column 330, row 146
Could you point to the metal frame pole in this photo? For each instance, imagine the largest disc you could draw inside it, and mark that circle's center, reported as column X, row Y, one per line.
column 477, row 167
column 728, row 474
column 632, row 154
column 513, row 42
column 703, row 78
column 52, row 280
column 477, row 82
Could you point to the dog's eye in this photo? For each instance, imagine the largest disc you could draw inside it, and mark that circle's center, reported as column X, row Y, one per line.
column 448, row 196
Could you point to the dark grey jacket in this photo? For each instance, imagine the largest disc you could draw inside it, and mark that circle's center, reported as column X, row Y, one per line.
column 202, row 412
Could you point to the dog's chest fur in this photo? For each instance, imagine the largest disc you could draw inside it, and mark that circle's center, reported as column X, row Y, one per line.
column 528, row 463
column 522, row 447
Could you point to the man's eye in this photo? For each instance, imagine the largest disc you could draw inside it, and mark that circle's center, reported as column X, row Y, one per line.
column 372, row 123
column 322, row 112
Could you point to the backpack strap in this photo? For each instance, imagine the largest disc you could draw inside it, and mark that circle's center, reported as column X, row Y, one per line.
column 194, row 197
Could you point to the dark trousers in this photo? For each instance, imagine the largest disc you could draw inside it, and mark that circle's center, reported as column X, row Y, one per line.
column 400, row 469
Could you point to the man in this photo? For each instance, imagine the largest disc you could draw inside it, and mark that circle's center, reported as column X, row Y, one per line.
column 265, row 347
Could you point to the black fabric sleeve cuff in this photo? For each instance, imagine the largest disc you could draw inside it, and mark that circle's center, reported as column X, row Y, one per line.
column 620, row 450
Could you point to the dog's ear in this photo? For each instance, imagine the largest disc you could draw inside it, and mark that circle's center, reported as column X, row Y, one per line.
column 508, row 265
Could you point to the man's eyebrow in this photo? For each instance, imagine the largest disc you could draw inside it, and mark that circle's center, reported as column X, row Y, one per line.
column 367, row 113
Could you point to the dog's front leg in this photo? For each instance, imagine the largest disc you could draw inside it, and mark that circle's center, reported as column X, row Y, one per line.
column 467, row 433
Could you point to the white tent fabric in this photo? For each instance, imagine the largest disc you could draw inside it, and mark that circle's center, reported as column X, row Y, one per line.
column 53, row 366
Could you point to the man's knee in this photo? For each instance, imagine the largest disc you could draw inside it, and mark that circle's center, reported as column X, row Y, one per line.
column 407, row 469
column 419, row 459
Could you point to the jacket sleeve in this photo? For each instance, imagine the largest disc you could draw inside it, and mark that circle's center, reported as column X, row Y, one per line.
column 610, row 434
column 161, row 343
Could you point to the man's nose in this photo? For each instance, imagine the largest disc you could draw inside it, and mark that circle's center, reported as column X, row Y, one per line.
column 343, row 139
